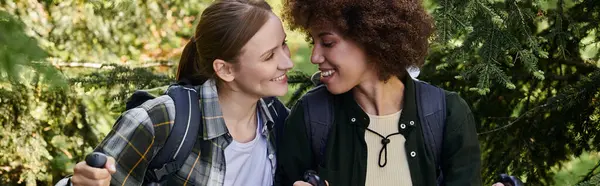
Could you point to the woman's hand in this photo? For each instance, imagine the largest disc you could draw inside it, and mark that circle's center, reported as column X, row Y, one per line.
column 84, row 174
column 301, row 183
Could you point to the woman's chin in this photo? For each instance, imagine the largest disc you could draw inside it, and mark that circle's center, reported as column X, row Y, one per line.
column 276, row 93
column 336, row 89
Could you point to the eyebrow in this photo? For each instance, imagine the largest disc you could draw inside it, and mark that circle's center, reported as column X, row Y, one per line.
column 324, row 34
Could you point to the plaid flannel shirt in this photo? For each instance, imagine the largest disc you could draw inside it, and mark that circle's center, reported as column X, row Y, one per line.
column 140, row 133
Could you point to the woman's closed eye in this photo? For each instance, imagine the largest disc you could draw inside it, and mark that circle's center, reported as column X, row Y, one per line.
column 270, row 56
column 327, row 44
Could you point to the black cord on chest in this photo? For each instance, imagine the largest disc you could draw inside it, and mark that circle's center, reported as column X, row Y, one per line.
column 384, row 141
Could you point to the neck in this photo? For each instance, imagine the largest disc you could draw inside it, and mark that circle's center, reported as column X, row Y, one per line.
column 239, row 109
column 377, row 97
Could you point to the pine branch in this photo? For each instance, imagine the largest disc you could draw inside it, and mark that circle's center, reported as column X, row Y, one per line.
column 123, row 79
column 578, row 62
column 570, row 96
column 567, row 78
column 120, row 75
column 530, row 61
column 451, row 19
column 509, row 124
column 590, row 174
column 107, row 66
column 521, row 23
column 298, row 93
column 300, row 80
column 298, row 77
column 499, row 75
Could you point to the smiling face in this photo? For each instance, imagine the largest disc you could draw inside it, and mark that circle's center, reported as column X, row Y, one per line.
column 263, row 63
column 387, row 36
column 342, row 62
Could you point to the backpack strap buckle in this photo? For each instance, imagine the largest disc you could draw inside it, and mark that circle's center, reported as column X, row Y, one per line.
column 165, row 170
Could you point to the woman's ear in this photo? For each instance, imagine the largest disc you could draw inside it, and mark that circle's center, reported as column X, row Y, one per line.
column 224, row 70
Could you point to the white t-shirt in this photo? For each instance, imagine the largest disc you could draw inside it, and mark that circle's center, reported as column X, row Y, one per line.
column 248, row 163
column 396, row 172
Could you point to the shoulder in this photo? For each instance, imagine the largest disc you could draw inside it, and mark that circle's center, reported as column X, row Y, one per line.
column 457, row 109
column 459, row 117
column 313, row 95
column 452, row 99
column 157, row 106
column 142, row 127
column 318, row 90
column 151, row 114
column 316, row 94
column 454, row 102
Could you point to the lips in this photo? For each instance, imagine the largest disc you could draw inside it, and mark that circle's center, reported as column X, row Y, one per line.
column 327, row 73
column 280, row 78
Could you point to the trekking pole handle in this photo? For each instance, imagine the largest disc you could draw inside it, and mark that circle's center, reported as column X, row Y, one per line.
column 311, row 177
column 509, row 180
column 96, row 160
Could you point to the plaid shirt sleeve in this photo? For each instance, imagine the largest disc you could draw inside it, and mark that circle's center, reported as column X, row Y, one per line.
column 136, row 137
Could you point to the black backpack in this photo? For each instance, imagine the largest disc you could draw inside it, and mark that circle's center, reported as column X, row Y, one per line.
column 186, row 128
column 431, row 105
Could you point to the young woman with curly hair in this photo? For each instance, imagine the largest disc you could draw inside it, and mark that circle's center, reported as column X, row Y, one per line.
column 363, row 48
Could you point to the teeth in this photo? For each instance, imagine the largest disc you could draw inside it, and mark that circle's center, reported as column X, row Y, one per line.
column 278, row 78
column 327, row 73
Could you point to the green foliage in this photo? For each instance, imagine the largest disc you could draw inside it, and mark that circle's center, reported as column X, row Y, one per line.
column 301, row 82
column 20, row 55
column 523, row 68
column 528, row 68
column 592, row 182
column 109, row 31
column 46, row 131
column 118, row 82
column 482, row 37
column 41, row 126
column 577, row 169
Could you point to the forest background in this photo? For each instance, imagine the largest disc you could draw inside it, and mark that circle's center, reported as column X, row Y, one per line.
column 530, row 70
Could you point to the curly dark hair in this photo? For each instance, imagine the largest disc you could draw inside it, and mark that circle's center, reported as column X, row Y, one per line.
column 394, row 33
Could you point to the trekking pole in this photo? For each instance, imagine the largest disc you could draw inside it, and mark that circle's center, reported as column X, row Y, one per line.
column 311, row 177
column 96, row 159
column 509, row 180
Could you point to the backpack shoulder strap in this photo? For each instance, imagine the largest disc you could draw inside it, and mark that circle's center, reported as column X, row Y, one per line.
column 318, row 119
column 431, row 103
column 182, row 137
column 138, row 98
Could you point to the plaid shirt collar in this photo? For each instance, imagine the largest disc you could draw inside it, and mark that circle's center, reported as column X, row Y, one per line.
column 212, row 115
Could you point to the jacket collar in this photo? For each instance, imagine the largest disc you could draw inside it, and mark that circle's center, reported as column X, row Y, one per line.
column 212, row 115
column 409, row 107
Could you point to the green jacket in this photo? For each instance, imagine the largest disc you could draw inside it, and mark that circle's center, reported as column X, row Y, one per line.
column 346, row 152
